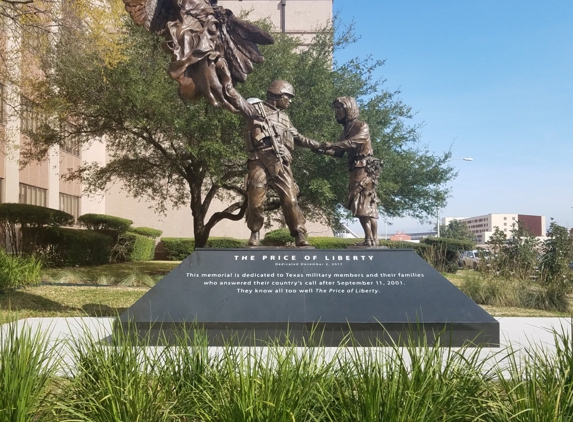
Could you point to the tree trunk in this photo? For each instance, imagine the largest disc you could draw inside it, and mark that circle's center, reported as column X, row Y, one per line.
column 200, row 232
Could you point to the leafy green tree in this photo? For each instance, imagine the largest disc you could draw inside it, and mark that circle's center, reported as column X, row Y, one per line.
column 188, row 153
column 556, row 272
column 457, row 229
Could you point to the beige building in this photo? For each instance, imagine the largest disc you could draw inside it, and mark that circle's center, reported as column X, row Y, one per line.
column 300, row 18
column 483, row 226
column 41, row 184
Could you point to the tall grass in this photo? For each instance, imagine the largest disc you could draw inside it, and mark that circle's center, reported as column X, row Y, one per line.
column 27, row 365
column 536, row 385
column 413, row 383
column 18, row 271
column 114, row 382
column 520, row 293
column 279, row 383
column 130, row 379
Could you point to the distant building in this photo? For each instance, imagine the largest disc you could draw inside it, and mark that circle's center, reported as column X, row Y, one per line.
column 483, row 226
column 346, row 233
column 422, row 235
column 400, row 236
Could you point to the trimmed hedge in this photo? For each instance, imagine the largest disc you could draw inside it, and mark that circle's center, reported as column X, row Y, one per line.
column 63, row 247
column 445, row 253
column 178, row 248
column 33, row 215
column 278, row 237
column 420, row 248
column 226, row 243
column 105, row 223
column 133, row 247
column 331, row 242
column 17, row 220
column 146, row 231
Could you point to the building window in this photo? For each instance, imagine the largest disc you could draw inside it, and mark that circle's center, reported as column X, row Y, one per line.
column 30, row 119
column 505, row 218
column 32, row 195
column 505, row 224
column 71, row 139
column 513, row 218
column 70, row 204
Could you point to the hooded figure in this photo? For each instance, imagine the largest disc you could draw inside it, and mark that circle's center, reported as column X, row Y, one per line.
column 363, row 166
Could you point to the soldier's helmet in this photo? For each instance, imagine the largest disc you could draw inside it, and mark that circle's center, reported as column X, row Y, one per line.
column 280, row 87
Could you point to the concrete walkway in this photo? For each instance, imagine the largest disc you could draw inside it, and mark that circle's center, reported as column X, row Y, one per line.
column 515, row 332
column 519, row 337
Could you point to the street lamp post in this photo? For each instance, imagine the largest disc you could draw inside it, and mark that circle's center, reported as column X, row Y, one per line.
column 438, row 208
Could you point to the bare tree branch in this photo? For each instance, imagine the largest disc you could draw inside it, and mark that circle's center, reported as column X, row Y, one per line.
column 18, row 1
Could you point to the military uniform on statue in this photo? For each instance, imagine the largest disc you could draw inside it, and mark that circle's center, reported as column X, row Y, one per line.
column 270, row 139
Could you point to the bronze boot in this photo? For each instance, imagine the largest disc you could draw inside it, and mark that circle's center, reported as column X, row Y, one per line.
column 300, row 239
column 254, row 239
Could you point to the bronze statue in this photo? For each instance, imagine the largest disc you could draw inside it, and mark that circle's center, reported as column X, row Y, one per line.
column 270, row 139
column 211, row 51
column 211, row 48
column 363, row 166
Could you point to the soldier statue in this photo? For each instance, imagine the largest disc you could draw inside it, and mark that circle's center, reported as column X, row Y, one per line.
column 270, row 139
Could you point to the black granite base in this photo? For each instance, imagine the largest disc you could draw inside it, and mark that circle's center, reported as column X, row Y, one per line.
column 248, row 296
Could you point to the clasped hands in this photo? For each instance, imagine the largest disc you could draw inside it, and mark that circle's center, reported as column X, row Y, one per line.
column 323, row 148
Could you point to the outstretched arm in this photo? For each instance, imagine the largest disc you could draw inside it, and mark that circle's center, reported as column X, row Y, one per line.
column 326, row 149
column 211, row 49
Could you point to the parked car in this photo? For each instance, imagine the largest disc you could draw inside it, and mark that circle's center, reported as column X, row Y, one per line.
column 471, row 259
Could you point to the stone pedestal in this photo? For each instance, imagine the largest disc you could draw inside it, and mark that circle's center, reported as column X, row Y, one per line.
column 258, row 294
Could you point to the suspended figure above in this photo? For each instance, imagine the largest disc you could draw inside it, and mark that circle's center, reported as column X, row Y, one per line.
column 211, row 49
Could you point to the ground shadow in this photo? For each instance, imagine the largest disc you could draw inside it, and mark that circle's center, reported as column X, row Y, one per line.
column 99, row 310
column 22, row 300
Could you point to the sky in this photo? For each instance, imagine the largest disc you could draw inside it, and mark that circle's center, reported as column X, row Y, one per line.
column 489, row 79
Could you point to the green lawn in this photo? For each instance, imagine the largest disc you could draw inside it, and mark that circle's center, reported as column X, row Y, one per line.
column 111, row 273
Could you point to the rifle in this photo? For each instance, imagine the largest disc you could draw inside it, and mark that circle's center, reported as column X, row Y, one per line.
column 271, row 131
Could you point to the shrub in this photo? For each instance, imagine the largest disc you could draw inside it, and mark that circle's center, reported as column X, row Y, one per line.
column 421, row 249
column 493, row 292
column 516, row 257
column 279, row 237
column 63, row 247
column 178, row 248
column 146, row 231
column 557, row 256
column 444, row 253
column 226, row 243
column 18, row 271
column 23, row 217
column 107, row 224
column 516, row 293
column 133, row 247
column 331, row 242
